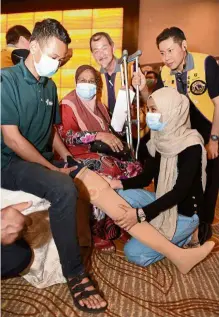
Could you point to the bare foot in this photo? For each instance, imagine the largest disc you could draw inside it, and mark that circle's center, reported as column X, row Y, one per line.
column 191, row 257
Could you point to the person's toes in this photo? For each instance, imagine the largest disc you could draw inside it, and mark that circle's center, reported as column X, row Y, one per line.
column 87, row 303
column 81, row 302
column 95, row 300
column 101, row 301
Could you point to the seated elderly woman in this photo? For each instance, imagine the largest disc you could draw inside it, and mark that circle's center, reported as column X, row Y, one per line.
column 85, row 120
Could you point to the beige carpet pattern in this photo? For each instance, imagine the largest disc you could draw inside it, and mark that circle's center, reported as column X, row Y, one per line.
column 157, row 291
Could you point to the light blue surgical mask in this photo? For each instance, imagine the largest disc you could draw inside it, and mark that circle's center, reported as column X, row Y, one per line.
column 153, row 121
column 86, row 91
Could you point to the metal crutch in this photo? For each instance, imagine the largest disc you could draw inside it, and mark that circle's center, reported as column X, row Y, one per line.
column 138, row 110
column 135, row 57
column 123, row 61
column 129, row 121
column 123, row 84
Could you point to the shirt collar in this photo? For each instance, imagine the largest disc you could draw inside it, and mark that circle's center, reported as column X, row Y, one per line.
column 28, row 76
column 116, row 70
column 189, row 65
column 11, row 45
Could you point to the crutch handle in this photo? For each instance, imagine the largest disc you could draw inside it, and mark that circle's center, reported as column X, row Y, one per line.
column 124, row 56
column 125, row 53
column 133, row 56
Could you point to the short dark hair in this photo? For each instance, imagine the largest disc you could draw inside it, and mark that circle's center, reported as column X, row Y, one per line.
column 97, row 36
column 152, row 72
column 173, row 32
column 50, row 28
column 14, row 33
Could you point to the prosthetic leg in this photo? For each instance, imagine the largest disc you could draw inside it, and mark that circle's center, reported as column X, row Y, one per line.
column 96, row 190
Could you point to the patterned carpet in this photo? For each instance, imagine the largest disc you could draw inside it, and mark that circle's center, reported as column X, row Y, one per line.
column 157, row 291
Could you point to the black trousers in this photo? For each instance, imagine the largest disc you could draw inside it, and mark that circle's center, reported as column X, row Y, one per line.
column 15, row 258
column 211, row 191
column 60, row 191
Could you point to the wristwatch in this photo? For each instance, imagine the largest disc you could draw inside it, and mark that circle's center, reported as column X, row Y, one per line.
column 214, row 137
column 140, row 215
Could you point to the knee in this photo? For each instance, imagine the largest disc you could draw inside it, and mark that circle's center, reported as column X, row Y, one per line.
column 127, row 250
column 64, row 188
column 96, row 186
column 130, row 251
column 137, row 197
column 68, row 187
column 132, row 255
column 141, row 258
column 27, row 258
column 19, row 259
column 25, row 255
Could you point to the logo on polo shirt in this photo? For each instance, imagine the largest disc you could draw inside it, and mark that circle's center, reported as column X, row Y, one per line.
column 48, row 102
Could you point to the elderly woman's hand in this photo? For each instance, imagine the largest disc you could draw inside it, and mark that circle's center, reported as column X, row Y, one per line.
column 111, row 140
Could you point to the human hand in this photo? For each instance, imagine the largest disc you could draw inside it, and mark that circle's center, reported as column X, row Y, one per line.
column 114, row 183
column 212, row 149
column 111, row 140
column 13, row 222
column 129, row 218
column 139, row 79
column 67, row 170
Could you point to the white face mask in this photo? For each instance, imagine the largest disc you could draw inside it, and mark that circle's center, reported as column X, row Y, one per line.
column 47, row 66
column 86, row 91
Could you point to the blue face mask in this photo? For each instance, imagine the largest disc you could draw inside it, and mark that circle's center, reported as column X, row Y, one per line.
column 153, row 121
column 86, row 91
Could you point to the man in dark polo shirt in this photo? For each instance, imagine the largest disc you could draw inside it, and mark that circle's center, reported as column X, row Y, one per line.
column 102, row 48
column 29, row 109
column 197, row 76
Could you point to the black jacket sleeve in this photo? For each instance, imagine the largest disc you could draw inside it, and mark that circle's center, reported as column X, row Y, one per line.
column 144, row 179
column 186, row 175
column 212, row 76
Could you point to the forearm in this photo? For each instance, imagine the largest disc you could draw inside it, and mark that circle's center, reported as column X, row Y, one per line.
column 84, row 137
column 215, row 123
column 144, row 179
column 59, row 146
column 139, row 181
column 162, row 204
column 144, row 94
column 27, row 151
